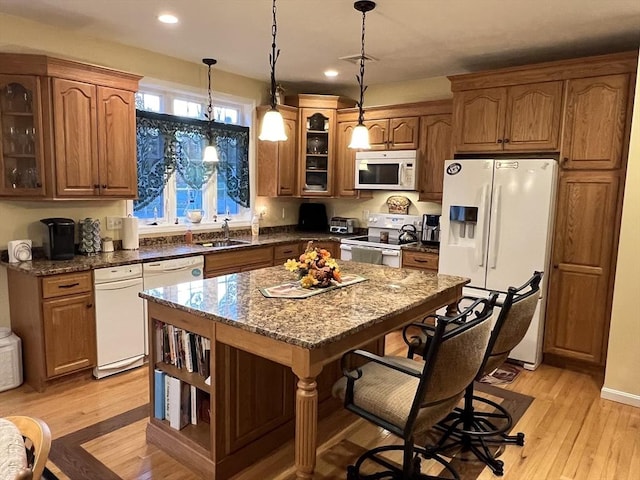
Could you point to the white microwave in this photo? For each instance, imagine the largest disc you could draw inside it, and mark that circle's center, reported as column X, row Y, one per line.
column 386, row 170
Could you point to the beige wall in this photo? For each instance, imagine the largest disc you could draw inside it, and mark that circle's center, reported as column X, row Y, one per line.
column 623, row 358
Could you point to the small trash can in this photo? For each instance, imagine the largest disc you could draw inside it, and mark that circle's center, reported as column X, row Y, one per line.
column 10, row 360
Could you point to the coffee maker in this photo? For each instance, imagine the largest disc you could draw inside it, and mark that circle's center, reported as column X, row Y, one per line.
column 58, row 238
column 431, row 229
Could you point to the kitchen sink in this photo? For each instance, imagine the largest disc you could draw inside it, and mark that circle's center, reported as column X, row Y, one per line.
column 222, row 243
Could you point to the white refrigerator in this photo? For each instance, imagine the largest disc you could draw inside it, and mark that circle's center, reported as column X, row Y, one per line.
column 496, row 224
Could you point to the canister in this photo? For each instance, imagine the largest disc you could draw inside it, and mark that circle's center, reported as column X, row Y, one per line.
column 10, row 360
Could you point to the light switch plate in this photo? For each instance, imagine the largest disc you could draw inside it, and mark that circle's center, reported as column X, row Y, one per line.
column 114, row 223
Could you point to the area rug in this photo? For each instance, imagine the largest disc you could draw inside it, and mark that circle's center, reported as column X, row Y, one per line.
column 505, row 373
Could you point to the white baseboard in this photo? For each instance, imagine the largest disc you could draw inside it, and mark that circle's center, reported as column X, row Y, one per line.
column 620, row 397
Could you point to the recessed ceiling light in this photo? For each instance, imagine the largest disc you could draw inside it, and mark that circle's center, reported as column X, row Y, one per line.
column 331, row 73
column 167, row 18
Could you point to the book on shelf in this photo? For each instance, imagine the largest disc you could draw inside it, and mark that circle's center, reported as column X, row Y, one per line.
column 179, row 403
column 194, row 405
column 159, row 394
column 183, row 349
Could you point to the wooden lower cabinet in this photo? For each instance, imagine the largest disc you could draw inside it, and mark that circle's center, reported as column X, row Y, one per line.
column 584, row 253
column 69, row 334
column 331, row 246
column 224, row 263
column 282, row 253
column 420, row 260
column 57, row 328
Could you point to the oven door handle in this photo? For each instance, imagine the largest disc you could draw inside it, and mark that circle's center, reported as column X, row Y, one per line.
column 346, row 248
column 391, row 253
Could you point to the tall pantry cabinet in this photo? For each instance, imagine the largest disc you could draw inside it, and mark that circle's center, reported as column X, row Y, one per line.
column 578, row 111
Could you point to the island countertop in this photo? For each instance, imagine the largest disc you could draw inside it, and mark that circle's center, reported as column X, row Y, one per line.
column 309, row 323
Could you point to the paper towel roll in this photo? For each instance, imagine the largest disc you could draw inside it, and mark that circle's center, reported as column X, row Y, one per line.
column 130, row 240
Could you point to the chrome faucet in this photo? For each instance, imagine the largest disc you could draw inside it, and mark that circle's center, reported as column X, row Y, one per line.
column 225, row 228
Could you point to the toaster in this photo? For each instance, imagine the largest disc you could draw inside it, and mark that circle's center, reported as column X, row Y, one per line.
column 19, row 251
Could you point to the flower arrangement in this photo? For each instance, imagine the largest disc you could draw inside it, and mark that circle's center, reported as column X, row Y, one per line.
column 315, row 267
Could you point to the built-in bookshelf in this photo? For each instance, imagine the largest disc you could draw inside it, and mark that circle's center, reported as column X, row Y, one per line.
column 181, row 383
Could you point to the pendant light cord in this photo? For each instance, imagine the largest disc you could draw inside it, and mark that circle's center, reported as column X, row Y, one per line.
column 273, row 56
column 210, row 106
column 360, row 77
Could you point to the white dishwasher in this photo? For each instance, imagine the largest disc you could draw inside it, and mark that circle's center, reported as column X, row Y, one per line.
column 119, row 319
column 168, row 272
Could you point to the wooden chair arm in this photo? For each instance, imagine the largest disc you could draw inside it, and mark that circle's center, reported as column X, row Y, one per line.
column 38, row 432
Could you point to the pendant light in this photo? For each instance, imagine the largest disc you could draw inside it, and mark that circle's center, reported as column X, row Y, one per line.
column 360, row 134
column 210, row 151
column 272, row 122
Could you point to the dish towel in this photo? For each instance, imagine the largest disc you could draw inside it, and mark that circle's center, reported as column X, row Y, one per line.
column 366, row 255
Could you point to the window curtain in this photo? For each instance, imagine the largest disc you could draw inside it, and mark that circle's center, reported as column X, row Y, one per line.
column 168, row 144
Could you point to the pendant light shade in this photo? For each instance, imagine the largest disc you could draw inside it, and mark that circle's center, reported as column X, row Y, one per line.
column 211, row 151
column 272, row 127
column 360, row 134
column 360, row 137
column 273, row 124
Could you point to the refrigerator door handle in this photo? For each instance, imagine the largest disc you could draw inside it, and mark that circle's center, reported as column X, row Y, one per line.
column 495, row 225
column 481, row 246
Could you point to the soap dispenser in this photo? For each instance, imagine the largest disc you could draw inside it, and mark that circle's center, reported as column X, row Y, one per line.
column 255, row 225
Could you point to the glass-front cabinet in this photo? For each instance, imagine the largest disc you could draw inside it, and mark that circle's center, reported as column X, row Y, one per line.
column 21, row 134
column 317, row 151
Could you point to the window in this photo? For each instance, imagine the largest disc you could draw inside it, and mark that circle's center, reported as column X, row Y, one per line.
column 172, row 183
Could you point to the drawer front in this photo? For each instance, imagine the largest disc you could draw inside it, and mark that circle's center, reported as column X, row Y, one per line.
column 238, row 259
column 425, row 261
column 66, row 284
column 282, row 253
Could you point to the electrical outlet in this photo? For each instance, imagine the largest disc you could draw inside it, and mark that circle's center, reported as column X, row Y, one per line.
column 114, row 223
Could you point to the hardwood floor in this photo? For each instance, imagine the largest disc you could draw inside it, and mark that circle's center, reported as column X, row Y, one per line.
column 572, row 434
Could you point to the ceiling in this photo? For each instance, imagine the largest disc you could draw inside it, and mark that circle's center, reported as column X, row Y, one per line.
column 410, row 39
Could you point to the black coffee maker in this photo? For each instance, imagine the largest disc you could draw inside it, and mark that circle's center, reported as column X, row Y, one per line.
column 431, row 229
column 58, row 238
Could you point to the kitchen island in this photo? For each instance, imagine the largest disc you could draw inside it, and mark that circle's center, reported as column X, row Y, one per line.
column 256, row 343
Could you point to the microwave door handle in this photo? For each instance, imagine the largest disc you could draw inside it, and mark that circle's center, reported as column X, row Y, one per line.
column 401, row 174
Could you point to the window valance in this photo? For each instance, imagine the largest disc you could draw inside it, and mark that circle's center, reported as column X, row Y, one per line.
column 168, row 144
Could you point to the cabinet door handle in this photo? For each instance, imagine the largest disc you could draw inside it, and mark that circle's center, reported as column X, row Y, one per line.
column 419, row 260
column 89, row 305
column 506, row 140
column 565, row 160
column 104, row 185
column 499, row 140
column 287, row 251
column 95, row 185
column 38, row 185
column 70, row 285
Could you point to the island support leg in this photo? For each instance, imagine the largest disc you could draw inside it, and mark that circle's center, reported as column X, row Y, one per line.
column 306, row 422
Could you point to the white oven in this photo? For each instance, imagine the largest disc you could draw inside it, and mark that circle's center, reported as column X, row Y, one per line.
column 382, row 244
column 390, row 258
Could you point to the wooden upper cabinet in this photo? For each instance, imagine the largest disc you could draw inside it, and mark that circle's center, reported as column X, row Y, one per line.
column 517, row 118
column 595, row 122
column 436, row 146
column 277, row 160
column 317, row 150
column 75, row 138
column 378, row 133
column 84, row 143
column 479, row 119
column 21, row 148
column 393, row 133
column 117, row 171
column 580, row 297
column 403, row 133
column 533, row 116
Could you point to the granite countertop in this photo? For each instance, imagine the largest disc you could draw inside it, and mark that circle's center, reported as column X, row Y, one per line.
column 43, row 267
column 312, row 322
